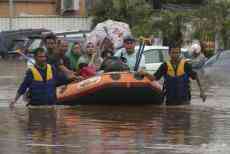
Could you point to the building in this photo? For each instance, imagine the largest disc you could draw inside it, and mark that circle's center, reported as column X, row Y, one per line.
column 47, row 7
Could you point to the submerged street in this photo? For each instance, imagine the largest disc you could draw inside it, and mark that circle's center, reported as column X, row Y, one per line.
column 201, row 128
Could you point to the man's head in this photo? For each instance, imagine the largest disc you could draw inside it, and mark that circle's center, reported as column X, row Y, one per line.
column 40, row 56
column 174, row 52
column 63, row 47
column 50, row 41
column 129, row 44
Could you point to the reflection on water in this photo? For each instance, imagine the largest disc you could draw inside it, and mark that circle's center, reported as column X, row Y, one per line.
column 201, row 128
column 110, row 129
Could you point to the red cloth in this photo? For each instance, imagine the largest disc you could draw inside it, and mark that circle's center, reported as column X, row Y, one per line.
column 87, row 71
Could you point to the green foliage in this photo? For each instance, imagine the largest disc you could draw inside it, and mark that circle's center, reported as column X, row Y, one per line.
column 183, row 1
column 104, row 10
column 212, row 19
column 144, row 21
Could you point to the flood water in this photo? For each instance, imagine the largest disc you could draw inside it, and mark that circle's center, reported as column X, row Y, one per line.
column 201, row 128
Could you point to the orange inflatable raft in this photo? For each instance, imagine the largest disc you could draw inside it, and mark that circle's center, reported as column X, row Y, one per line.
column 111, row 88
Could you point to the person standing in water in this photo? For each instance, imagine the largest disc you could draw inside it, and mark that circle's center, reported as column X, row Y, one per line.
column 177, row 73
column 40, row 82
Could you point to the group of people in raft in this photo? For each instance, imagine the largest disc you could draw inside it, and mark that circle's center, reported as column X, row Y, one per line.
column 55, row 66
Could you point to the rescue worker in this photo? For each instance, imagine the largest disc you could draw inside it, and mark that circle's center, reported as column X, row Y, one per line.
column 40, row 81
column 176, row 73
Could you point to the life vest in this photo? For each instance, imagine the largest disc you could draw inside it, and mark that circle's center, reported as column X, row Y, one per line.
column 177, row 89
column 42, row 91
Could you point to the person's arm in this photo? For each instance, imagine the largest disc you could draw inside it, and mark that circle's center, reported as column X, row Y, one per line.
column 60, row 79
column 69, row 73
column 160, row 71
column 157, row 75
column 195, row 76
column 23, row 87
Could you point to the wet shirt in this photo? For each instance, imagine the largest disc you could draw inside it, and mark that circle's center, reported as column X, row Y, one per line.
column 163, row 70
column 131, row 58
column 56, row 61
column 29, row 78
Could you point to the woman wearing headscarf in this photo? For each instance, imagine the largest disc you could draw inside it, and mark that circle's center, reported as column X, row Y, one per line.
column 74, row 54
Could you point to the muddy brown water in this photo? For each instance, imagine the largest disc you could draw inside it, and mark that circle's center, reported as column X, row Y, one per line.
column 200, row 128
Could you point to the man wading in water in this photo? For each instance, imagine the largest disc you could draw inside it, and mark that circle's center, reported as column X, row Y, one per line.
column 40, row 81
column 176, row 73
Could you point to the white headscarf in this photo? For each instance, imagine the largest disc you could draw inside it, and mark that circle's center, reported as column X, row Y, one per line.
column 196, row 48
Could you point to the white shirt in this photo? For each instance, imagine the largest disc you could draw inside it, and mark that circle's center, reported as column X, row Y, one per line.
column 131, row 58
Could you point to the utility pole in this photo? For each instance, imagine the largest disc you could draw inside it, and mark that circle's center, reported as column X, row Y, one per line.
column 11, row 14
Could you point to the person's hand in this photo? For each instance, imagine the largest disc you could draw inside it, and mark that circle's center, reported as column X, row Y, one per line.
column 63, row 88
column 79, row 78
column 71, row 76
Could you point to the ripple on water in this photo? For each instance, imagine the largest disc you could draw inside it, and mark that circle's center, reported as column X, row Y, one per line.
column 201, row 128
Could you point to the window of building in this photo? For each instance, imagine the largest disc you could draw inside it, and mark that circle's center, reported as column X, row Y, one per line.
column 70, row 5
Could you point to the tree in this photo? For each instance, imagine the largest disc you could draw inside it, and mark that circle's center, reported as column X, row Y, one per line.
column 211, row 20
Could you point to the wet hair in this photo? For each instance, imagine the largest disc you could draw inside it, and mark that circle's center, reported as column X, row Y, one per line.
column 173, row 45
column 129, row 39
column 38, row 50
column 50, row 36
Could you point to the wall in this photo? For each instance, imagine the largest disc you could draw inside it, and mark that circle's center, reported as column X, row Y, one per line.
column 29, row 8
column 53, row 23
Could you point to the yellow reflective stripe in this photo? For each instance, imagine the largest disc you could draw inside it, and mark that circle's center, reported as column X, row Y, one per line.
column 36, row 75
column 180, row 69
column 49, row 73
column 170, row 69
